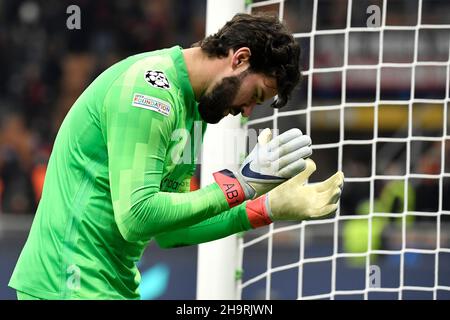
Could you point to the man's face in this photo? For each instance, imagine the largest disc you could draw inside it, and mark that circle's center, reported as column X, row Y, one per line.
column 236, row 94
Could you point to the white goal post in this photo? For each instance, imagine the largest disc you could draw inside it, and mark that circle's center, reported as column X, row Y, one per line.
column 217, row 260
column 374, row 99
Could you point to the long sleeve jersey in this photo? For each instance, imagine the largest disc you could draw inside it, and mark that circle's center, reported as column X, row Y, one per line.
column 118, row 177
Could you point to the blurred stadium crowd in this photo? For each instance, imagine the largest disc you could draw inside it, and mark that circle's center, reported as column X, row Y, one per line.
column 45, row 67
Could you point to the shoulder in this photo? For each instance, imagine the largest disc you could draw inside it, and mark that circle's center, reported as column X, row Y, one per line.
column 149, row 81
column 152, row 77
column 154, row 70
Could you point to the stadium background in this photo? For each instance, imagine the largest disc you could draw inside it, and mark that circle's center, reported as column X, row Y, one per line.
column 45, row 66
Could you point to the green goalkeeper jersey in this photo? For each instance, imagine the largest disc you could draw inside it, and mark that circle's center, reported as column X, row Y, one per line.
column 117, row 178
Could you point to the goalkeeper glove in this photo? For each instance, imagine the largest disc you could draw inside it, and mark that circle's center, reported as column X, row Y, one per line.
column 270, row 163
column 295, row 201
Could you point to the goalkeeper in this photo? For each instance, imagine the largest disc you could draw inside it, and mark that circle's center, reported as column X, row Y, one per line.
column 114, row 183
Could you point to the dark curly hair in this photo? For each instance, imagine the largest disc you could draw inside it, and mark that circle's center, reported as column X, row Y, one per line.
column 274, row 51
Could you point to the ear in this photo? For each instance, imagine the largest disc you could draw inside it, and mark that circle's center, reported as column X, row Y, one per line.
column 241, row 58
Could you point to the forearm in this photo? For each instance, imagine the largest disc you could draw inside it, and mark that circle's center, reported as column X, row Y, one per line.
column 164, row 212
column 225, row 224
column 238, row 219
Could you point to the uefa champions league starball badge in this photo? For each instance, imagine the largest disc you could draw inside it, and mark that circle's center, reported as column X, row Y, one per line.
column 157, row 79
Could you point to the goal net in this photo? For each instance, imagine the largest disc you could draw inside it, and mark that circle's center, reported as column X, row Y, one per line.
column 374, row 99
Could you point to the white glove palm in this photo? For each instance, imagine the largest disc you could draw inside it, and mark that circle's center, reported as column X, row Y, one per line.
column 273, row 161
column 293, row 200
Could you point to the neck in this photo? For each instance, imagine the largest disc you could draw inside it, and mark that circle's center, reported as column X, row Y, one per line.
column 202, row 69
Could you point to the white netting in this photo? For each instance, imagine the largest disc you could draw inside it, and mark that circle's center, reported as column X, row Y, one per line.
column 374, row 100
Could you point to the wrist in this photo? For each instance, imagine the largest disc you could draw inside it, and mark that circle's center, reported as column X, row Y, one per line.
column 267, row 206
column 258, row 212
column 231, row 187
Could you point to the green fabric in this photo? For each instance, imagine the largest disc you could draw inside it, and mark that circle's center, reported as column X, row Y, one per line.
column 113, row 183
column 227, row 223
column 26, row 296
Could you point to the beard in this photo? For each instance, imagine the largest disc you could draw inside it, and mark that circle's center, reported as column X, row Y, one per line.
column 213, row 106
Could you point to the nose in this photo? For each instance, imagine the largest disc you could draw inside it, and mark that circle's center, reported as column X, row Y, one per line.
column 247, row 110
